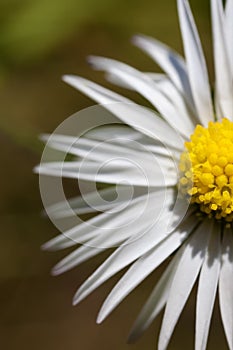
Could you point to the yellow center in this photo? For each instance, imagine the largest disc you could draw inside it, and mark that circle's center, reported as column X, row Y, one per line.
column 206, row 169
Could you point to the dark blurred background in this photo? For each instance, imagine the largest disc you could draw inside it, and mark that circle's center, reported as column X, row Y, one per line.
column 40, row 40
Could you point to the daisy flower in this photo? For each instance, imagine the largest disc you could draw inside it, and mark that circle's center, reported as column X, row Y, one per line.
column 179, row 158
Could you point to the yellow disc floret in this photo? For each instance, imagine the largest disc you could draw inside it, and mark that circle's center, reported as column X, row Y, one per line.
column 206, row 169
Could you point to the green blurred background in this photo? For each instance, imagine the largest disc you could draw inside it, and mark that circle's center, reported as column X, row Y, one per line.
column 40, row 40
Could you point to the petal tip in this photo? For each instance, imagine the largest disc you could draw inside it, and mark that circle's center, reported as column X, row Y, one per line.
column 132, row 337
column 55, row 271
column 69, row 79
column 100, row 318
column 36, row 169
column 44, row 137
column 78, row 297
column 45, row 246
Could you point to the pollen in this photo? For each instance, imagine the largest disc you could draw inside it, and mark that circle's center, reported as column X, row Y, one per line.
column 206, row 169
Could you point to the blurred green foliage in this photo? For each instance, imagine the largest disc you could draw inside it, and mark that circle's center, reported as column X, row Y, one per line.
column 32, row 28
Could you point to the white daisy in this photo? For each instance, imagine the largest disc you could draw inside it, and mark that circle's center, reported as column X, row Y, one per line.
column 200, row 236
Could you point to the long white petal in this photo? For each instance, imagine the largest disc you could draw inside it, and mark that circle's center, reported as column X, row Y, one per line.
column 171, row 62
column 184, row 279
column 223, row 76
column 111, row 130
column 113, row 172
column 229, row 32
column 123, row 256
column 166, row 86
column 87, row 230
column 138, row 117
column 196, row 65
column 226, row 286
column 101, row 151
column 90, row 202
column 109, row 238
column 144, row 266
column 207, row 288
column 78, row 234
column 143, row 84
column 156, row 300
column 170, row 90
column 112, row 78
column 124, row 135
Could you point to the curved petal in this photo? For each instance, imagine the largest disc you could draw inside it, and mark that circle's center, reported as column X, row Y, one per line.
column 92, row 228
column 90, row 202
column 123, row 256
column 110, row 238
column 226, row 286
column 144, row 85
column 196, row 65
column 208, row 281
column 184, row 279
column 111, row 130
column 114, row 79
column 101, row 151
column 170, row 90
column 163, row 173
column 166, row 86
column 229, row 32
column 138, row 117
column 171, row 62
column 144, row 266
column 223, row 76
column 156, row 300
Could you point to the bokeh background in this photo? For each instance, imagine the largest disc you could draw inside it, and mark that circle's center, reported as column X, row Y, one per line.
column 40, row 40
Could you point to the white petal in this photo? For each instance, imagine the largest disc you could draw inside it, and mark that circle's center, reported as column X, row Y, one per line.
column 156, row 300
column 87, row 230
column 184, row 279
column 226, row 286
column 170, row 90
column 166, row 86
column 110, row 131
column 124, row 135
column 196, row 65
column 144, row 266
column 78, row 234
column 102, row 151
column 138, row 117
column 229, row 32
column 116, row 171
column 109, row 238
column 101, row 200
column 158, row 77
column 131, row 143
column 172, row 63
column 223, row 76
column 144, row 85
column 207, row 288
column 123, row 256
column 114, row 79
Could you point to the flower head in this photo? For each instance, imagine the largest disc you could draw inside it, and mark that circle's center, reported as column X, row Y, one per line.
column 207, row 169
column 183, row 179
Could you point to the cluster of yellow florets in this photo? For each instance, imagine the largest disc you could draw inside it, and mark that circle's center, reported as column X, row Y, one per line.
column 207, row 169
